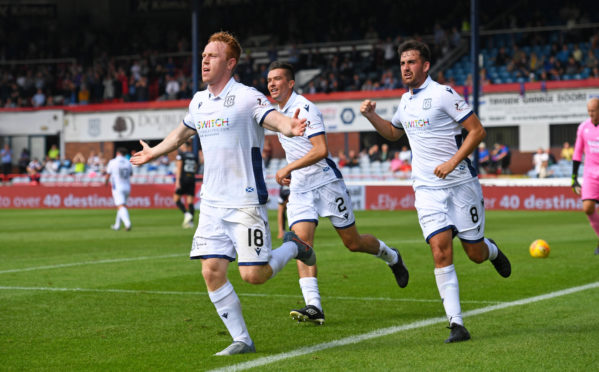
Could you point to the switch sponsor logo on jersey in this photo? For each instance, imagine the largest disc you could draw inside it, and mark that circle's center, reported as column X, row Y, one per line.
column 213, row 123
column 418, row 123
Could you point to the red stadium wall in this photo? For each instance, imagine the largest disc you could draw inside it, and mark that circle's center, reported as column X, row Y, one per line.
column 369, row 197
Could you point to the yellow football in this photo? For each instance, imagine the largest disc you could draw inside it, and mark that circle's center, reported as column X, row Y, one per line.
column 539, row 249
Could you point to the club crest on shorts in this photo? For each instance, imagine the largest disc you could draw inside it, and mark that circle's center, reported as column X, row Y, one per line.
column 229, row 101
column 426, row 104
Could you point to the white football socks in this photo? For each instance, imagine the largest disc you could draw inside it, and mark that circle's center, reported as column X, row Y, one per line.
column 310, row 291
column 228, row 307
column 387, row 254
column 124, row 215
column 492, row 249
column 280, row 256
column 447, row 283
column 117, row 222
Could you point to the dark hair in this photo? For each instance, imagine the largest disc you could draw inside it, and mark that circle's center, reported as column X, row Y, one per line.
column 425, row 52
column 289, row 72
column 122, row 151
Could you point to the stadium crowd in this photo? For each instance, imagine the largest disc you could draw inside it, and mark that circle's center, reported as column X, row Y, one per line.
column 155, row 64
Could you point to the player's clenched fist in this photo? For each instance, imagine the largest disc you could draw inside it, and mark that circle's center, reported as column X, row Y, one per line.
column 367, row 108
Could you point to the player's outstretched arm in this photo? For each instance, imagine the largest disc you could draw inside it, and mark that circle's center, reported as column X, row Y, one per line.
column 287, row 126
column 384, row 127
column 174, row 139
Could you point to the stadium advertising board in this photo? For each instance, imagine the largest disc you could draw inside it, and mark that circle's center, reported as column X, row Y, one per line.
column 539, row 198
column 121, row 126
column 46, row 122
column 364, row 197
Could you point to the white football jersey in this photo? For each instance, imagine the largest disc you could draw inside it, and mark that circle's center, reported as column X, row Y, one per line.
column 120, row 170
column 232, row 137
column 319, row 173
column 431, row 117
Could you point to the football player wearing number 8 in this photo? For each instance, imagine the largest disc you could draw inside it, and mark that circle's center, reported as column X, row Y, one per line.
column 449, row 198
column 586, row 144
column 230, row 119
column 317, row 190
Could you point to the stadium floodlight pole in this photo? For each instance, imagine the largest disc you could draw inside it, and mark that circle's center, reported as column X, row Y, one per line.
column 474, row 51
column 195, row 61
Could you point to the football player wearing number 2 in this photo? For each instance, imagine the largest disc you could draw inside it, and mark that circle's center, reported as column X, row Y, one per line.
column 449, row 198
column 317, row 190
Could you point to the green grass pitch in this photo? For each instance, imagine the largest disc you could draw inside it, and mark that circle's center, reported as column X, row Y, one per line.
column 77, row 296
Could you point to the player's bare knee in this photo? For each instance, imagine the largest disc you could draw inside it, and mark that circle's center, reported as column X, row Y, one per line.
column 588, row 210
column 253, row 278
column 442, row 257
column 210, row 276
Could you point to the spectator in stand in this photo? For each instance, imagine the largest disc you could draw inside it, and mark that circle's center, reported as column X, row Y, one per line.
column 6, row 155
column 539, row 161
column 374, row 153
column 185, row 91
column 51, row 166
column 563, row 55
column 83, row 95
column 551, row 68
column 484, row 159
column 567, row 151
column 355, row 84
column 591, row 61
column 550, row 158
column 79, row 162
column 342, row 162
column 502, row 57
column 39, row 99
column 54, row 152
column 34, row 168
column 577, row 54
column 405, row 155
column 172, row 88
column 399, row 167
column 353, row 159
column 141, row 89
column 367, row 85
column 501, row 156
column 384, row 154
column 572, row 67
column 24, row 160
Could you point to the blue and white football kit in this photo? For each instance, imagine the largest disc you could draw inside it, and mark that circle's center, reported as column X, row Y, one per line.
column 431, row 117
column 120, row 171
column 233, row 218
column 318, row 189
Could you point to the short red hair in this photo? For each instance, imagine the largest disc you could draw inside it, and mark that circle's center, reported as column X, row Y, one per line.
column 233, row 46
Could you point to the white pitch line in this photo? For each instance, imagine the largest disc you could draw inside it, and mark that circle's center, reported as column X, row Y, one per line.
column 391, row 330
column 137, row 291
column 59, row 266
